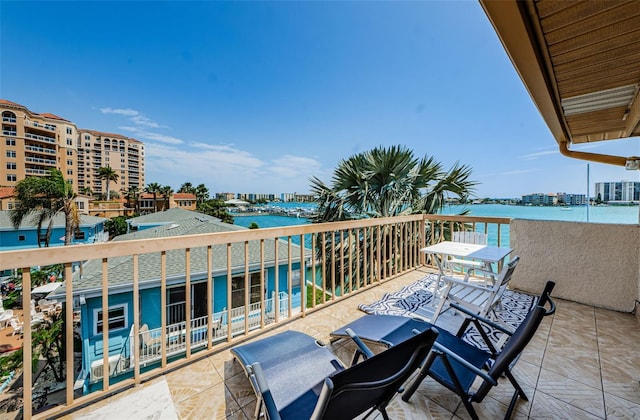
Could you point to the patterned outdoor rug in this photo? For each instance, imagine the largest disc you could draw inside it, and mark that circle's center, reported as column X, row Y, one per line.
column 411, row 300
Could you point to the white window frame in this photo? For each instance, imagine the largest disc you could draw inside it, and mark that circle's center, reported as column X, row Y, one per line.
column 125, row 317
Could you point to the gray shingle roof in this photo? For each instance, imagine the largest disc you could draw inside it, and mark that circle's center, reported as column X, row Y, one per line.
column 58, row 221
column 169, row 216
column 121, row 268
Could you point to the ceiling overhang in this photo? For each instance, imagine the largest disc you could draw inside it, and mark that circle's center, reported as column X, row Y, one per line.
column 580, row 62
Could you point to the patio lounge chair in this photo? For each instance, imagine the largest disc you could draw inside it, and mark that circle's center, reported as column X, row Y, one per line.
column 17, row 326
column 149, row 343
column 295, row 377
column 457, row 364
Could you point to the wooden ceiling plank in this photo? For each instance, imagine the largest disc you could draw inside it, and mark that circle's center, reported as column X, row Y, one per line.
column 588, row 46
column 575, row 28
column 613, row 58
column 581, row 89
column 547, row 8
column 579, row 13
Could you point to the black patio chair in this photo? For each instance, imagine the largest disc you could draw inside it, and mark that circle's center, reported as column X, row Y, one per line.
column 296, row 378
column 457, row 364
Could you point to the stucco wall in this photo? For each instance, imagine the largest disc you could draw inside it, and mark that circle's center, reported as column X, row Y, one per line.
column 596, row 264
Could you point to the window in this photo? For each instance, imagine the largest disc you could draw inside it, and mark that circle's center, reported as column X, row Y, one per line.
column 78, row 235
column 69, row 162
column 87, row 137
column 117, row 318
column 69, row 142
column 12, row 178
column 11, row 165
column 80, row 205
column 237, row 289
column 69, row 130
column 21, row 237
column 11, row 153
column 69, row 152
column 69, row 172
column 11, row 142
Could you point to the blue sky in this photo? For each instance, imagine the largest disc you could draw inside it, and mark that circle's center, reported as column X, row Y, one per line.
column 260, row 96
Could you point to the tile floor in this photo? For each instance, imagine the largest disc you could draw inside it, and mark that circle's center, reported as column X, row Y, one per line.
column 584, row 363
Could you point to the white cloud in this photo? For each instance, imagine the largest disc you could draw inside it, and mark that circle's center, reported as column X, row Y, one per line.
column 144, row 121
column 135, row 116
column 536, row 155
column 223, row 167
column 140, row 134
column 119, row 111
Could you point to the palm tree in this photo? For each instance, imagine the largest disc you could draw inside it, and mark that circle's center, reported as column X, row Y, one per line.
column 108, row 174
column 85, row 191
column 43, row 198
column 166, row 192
column 187, row 188
column 132, row 195
column 153, row 188
column 202, row 193
column 384, row 182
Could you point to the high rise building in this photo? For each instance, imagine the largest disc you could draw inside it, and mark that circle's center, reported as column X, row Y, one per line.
column 621, row 191
column 123, row 154
column 33, row 144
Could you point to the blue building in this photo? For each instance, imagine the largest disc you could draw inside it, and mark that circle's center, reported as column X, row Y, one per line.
column 90, row 230
column 87, row 286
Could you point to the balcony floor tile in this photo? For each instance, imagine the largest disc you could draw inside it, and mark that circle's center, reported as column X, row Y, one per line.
column 583, row 363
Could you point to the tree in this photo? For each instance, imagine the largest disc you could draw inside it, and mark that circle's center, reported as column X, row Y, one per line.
column 116, row 226
column 254, row 225
column 107, row 173
column 132, row 195
column 216, row 208
column 202, row 193
column 166, row 192
column 43, row 198
column 153, row 188
column 85, row 191
column 187, row 188
column 383, row 182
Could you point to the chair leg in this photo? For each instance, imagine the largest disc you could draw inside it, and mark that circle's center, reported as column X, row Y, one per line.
column 422, row 374
column 470, row 409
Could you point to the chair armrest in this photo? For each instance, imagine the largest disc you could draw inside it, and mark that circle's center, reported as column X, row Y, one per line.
column 481, row 318
column 366, row 352
column 437, row 347
column 265, row 392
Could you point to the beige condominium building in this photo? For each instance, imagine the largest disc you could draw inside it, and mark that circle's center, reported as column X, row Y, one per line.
column 33, row 144
column 123, row 154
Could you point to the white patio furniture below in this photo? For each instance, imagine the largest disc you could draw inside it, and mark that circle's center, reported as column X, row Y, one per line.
column 459, row 265
column 16, row 325
column 5, row 317
column 488, row 255
column 473, row 295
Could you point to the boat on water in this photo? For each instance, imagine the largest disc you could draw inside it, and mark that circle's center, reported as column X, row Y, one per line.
column 566, row 208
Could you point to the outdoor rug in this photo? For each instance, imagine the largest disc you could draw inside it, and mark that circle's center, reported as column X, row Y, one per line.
column 411, row 301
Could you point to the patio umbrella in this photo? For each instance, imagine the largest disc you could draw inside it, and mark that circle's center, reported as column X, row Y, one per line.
column 46, row 289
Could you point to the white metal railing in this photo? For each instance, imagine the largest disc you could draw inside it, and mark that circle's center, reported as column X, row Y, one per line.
column 37, row 171
column 40, row 149
column 40, row 138
column 40, row 160
column 8, row 119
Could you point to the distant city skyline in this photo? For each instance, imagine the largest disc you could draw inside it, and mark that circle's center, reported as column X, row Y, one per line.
column 259, row 97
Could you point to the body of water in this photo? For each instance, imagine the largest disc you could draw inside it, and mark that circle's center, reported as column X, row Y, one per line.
column 597, row 214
